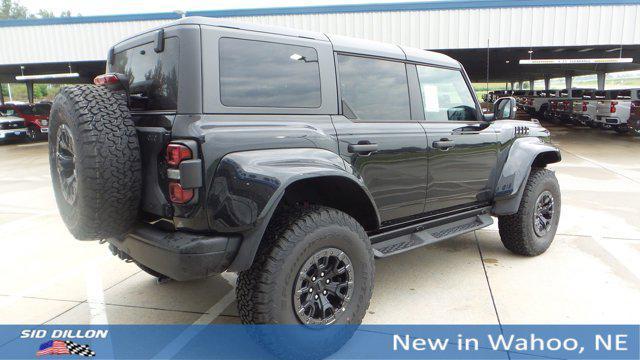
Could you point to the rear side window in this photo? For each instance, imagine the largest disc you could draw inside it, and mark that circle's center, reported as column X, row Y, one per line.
column 445, row 95
column 153, row 77
column 374, row 89
column 623, row 94
column 266, row 74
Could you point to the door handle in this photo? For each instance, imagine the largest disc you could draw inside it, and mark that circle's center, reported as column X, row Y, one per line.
column 444, row 144
column 362, row 147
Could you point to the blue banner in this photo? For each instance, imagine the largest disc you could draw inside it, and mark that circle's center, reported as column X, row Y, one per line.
column 316, row 342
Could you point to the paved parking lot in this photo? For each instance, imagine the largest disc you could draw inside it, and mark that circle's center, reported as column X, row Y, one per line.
column 591, row 274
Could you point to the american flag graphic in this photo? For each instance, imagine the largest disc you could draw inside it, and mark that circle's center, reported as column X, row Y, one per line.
column 53, row 347
column 61, row 347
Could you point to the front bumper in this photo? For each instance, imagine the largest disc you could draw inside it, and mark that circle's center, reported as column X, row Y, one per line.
column 177, row 254
column 13, row 133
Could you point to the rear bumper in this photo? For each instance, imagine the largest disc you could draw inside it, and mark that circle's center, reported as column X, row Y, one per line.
column 610, row 120
column 178, row 255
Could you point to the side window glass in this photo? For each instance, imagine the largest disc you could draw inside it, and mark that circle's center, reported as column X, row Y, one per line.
column 445, row 95
column 374, row 89
column 265, row 74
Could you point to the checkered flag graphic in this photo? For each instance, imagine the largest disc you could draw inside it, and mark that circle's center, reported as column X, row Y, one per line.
column 77, row 349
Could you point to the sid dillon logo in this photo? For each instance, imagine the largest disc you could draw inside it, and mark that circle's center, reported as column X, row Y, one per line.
column 64, row 347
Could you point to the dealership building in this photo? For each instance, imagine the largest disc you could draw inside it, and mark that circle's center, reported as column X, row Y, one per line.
column 522, row 43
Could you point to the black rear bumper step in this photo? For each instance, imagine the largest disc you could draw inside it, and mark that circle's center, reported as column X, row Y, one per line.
column 178, row 255
column 430, row 235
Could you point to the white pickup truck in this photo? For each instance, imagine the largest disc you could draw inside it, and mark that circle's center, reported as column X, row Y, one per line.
column 539, row 102
column 613, row 113
column 584, row 112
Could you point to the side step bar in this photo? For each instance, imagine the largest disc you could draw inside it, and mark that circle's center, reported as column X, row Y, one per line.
column 430, row 235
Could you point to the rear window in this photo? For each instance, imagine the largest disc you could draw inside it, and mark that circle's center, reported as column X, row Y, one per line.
column 623, row 94
column 265, row 74
column 153, row 77
column 578, row 93
column 600, row 94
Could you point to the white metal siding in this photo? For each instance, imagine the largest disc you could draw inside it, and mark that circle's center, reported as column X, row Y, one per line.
column 433, row 29
column 67, row 42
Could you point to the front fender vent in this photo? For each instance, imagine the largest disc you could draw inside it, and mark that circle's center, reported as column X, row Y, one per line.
column 521, row 130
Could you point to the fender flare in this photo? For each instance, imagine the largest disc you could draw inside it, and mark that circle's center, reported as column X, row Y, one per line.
column 524, row 154
column 248, row 186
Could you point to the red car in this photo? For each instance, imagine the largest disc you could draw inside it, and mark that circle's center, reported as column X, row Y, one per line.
column 36, row 117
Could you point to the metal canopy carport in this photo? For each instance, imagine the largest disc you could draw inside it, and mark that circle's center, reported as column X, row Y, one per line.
column 504, row 62
column 461, row 28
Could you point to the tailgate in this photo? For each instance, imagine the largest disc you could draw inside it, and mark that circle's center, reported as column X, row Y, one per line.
column 603, row 108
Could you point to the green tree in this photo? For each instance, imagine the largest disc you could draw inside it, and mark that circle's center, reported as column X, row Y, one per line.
column 13, row 10
column 45, row 14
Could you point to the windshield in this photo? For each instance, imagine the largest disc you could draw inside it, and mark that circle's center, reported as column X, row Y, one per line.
column 42, row 109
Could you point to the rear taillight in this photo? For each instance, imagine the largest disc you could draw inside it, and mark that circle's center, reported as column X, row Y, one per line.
column 612, row 109
column 179, row 195
column 584, row 106
column 175, row 154
column 106, row 79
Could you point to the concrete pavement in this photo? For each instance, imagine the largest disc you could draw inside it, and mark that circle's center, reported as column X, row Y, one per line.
column 591, row 274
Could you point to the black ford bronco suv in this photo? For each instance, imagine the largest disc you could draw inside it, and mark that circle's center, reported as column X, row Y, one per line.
column 293, row 158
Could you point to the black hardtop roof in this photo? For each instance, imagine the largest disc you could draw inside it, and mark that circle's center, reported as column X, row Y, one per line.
column 340, row 43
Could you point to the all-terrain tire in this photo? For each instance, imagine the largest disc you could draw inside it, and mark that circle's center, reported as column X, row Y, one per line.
column 293, row 236
column 517, row 231
column 265, row 292
column 96, row 124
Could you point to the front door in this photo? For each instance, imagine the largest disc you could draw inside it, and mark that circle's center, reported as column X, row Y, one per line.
column 462, row 148
column 378, row 137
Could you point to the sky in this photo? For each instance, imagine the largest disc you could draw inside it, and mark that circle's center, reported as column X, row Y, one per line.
column 101, row 7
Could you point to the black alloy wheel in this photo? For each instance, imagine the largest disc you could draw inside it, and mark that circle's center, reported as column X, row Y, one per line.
column 543, row 214
column 65, row 164
column 323, row 287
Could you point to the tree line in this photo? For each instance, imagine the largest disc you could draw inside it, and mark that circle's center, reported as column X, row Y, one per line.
column 14, row 10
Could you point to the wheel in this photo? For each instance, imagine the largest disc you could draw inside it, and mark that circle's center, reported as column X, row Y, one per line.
column 94, row 159
column 621, row 129
column 592, row 124
column 636, row 131
column 32, row 134
column 531, row 230
column 314, row 267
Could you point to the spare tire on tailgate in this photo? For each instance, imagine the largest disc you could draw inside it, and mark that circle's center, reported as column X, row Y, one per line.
column 94, row 157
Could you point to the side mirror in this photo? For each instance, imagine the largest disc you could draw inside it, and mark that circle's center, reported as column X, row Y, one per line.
column 505, row 108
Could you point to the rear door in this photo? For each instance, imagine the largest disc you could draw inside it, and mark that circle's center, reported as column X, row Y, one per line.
column 462, row 148
column 378, row 136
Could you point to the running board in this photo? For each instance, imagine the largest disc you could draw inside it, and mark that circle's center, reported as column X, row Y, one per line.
column 431, row 235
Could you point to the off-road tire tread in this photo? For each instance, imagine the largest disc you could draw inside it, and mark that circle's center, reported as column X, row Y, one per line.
column 511, row 227
column 255, row 284
column 108, row 151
